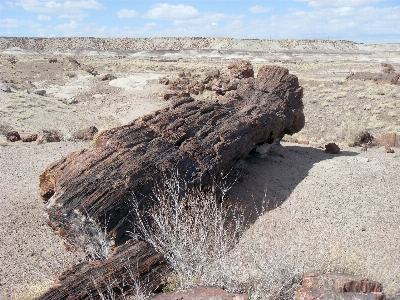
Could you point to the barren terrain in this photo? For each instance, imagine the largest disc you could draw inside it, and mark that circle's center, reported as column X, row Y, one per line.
column 343, row 207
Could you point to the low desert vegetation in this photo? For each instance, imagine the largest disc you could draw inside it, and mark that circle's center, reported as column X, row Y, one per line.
column 208, row 242
column 195, row 230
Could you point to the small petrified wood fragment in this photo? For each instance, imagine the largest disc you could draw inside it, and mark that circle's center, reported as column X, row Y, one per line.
column 338, row 286
column 199, row 139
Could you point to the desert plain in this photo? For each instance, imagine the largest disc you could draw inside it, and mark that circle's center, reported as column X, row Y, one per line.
column 340, row 209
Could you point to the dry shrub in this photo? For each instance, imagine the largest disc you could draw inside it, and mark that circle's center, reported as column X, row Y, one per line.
column 195, row 231
column 111, row 289
column 201, row 237
column 207, row 243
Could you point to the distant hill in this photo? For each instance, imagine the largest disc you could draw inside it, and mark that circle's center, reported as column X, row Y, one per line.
column 60, row 45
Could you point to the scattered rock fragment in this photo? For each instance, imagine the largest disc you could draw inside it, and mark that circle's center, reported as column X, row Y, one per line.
column 30, row 138
column 387, row 68
column 364, row 140
column 13, row 136
column 201, row 293
column 12, row 60
column 48, row 136
column 90, row 70
column 74, row 62
column 40, row 92
column 338, row 286
column 332, row 148
column 107, row 77
column 225, row 84
column 163, row 81
column 70, row 100
column 210, row 75
column 388, row 149
column 241, row 69
column 170, row 95
column 86, row 134
column 70, row 75
column 178, row 84
column 195, row 87
column 5, row 87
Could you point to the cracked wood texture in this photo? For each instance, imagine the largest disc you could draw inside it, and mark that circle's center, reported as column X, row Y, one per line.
column 90, row 189
column 131, row 263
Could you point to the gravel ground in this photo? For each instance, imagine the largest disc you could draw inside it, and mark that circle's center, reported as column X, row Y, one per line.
column 346, row 205
column 31, row 254
column 337, row 211
column 342, row 206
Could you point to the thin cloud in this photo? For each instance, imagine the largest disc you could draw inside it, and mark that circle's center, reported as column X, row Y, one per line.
column 126, row 13
column 340, row 3
column 10, row 23
column 63, row 9
column 8, row 4
column 207, row 19
column 258, row 9
column 165, row 11
column 44, row 18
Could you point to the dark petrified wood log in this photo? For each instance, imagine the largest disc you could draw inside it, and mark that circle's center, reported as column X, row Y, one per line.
column 200, row 139
column 131, row 264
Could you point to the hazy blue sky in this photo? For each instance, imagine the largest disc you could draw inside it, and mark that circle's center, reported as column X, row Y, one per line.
column 367, row 21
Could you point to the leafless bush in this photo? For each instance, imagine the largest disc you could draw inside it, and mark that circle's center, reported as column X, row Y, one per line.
column 207, row 243
column 195, row 231
column 112, row 289
column 202, row 238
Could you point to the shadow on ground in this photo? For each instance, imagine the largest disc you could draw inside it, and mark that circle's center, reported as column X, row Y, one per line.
column 267, row 181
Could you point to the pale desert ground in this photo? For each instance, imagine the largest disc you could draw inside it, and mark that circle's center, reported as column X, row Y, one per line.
column 343, row 208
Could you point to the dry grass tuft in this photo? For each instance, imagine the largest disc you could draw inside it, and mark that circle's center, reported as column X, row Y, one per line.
column 194, row 231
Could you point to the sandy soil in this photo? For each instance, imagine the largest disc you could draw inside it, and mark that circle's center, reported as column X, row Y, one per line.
column 351, row 199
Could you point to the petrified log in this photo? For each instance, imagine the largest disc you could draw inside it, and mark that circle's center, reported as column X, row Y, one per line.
column 387, row 76
column 130, row 264
column 199, row 139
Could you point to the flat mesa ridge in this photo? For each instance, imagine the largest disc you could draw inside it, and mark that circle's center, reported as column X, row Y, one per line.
column 49, row 45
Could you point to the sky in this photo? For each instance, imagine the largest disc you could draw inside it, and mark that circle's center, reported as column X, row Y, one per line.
column 365, row 21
